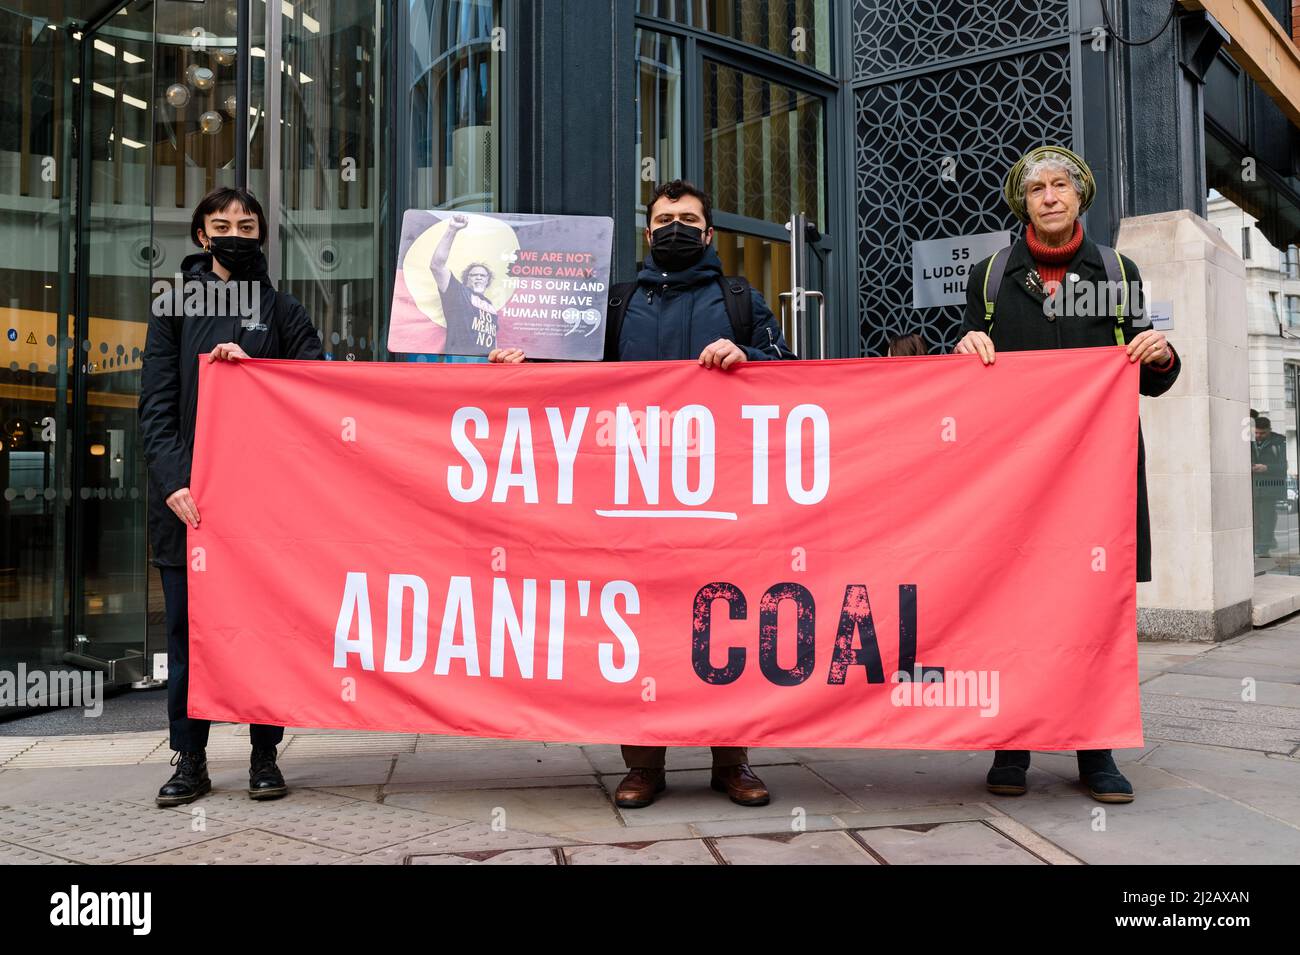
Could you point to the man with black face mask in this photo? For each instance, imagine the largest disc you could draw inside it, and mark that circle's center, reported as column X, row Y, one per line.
column 230, row 312
column 678, row 309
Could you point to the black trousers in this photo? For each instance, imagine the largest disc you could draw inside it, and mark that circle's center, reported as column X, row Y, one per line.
column 189, row 735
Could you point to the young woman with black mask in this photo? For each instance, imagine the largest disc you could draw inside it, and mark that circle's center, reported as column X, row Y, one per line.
column 225, row 310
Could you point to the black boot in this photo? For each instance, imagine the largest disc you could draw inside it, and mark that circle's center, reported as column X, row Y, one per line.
column 188, row 783
column 1007, row 777
column 1097, row 771
column 264, row 779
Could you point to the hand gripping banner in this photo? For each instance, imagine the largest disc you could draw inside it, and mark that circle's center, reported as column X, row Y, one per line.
column 905, row 553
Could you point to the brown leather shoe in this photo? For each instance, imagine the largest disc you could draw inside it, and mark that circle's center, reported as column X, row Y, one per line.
column 740, row 783
column 639, row 788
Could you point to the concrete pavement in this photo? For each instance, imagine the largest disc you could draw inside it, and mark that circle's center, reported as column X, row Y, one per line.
column 1218, row 782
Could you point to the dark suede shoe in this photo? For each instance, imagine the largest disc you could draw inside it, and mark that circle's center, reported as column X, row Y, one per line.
column 741, row 785
column 1007, row 776
column 264, row 779
column 188, row 783
column 639, row 788
column 1097, row 771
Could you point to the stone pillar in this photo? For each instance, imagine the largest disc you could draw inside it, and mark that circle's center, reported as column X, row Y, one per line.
column 1197, row 438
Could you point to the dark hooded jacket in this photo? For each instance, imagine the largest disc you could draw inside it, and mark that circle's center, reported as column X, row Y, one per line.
column 673, row 316
column 1021, row 324
column 169, row 387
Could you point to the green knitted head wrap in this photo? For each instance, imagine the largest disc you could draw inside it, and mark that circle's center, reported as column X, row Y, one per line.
column 1013, row 190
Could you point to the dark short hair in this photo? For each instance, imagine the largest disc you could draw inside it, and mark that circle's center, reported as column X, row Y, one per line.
column 1263, row 424
column 675, row 190
column 221, row 199
column 464, row 276
column 912, row 344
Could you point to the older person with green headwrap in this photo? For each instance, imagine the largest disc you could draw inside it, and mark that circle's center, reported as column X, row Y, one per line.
column 1056, row 288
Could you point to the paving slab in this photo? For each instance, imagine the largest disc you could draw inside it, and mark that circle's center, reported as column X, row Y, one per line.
column 609, row 759
column 684, row 852
column 1255, row 714
column 883, row 818
column 348, row 744
column 509, row 857
column 896, row 779
column 767, row 825
column 363, row 793
column 1266, row 739
column 1174, row 825
column 1224, row 663
column 466, row 838
column 1284, row 637
column 1228, row 689
column 500, row 762
column 11, row 854
column 103, row 750
column 807, row 848
column 224, row 747
column 621, row 833
column 20, row 821
column 83, row 783
column 948, row 843
column 497, row 782
column 689, row 798
column 316, row 772
column 1271, row 786
column 129, row 835
column 535, row 810
column 248, row 847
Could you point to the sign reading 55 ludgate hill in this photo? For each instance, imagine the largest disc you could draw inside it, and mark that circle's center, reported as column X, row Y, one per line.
column 914, row 552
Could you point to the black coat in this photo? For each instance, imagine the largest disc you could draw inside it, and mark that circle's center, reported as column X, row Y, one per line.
column 1019, row 324
column 169, row 387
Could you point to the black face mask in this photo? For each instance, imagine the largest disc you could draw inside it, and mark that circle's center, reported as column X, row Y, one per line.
column 241, row 255
column 677, row 246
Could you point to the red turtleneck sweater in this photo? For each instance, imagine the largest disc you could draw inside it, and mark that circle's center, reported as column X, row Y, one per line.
column 1051, row 262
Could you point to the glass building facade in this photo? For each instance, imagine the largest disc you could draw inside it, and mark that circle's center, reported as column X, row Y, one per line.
column 883, row 123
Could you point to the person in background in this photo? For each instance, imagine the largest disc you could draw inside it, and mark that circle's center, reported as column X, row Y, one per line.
column 230, row 227
column 912, row 344
column 1268, row 477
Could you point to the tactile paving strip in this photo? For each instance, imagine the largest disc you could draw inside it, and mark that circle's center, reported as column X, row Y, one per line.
column 18, row 855
column 30, row 820
column 129, row 836
column 249, row 847
column 11, row 746
column 109, row 749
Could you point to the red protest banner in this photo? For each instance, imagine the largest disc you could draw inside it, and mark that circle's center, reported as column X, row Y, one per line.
column 910, row 552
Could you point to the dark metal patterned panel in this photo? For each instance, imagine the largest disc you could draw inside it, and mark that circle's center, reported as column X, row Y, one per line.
column 890, row 35
column 980, row 119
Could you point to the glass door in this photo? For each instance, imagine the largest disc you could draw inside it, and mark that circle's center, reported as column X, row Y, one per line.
column 109, row 569
column 38, row 181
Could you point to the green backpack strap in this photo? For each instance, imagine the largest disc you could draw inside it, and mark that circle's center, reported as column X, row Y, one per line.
column 992, row 283
column 1116, row 273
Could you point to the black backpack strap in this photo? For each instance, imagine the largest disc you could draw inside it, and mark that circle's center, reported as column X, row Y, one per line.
column 993, row 283
column 1117, row 277
column 740, row 307
column 619, row 297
